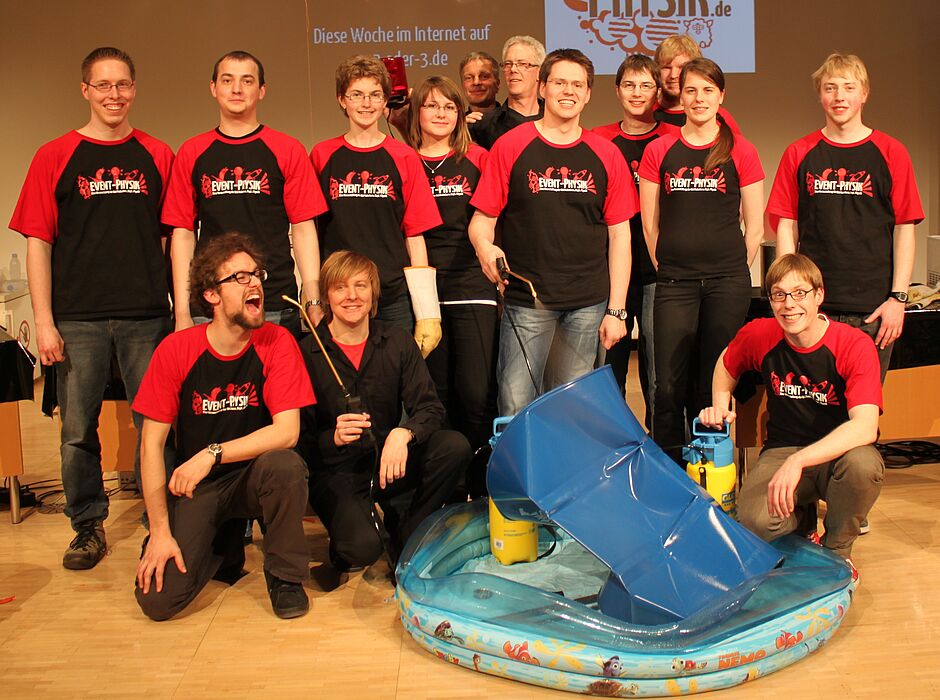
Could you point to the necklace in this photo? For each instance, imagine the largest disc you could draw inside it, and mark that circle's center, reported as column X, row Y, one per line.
column 434, row 169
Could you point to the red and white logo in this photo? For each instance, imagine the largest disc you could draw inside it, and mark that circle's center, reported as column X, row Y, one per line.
column 636, row 26
column 235, row 180
column 457, row 186
column 839, row 181
column 562, row 179
column 695, row 179
column 793, row 387
column 112, row 180
column 234, row 397
column 362, row 183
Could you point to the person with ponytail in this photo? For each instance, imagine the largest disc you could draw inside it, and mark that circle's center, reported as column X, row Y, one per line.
column 462, row 364
column 696, row 189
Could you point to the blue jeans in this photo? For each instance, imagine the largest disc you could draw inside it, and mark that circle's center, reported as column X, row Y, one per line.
column 82, row 377
column 640, row 310
column 575, row 352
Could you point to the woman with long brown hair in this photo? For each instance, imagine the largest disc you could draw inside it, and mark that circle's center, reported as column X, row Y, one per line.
column 462, row 364
column 696, row 189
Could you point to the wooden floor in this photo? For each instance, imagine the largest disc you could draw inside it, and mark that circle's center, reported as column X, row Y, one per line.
column 80, row 634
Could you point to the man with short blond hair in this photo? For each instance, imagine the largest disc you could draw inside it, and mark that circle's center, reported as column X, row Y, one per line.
column 846, row 196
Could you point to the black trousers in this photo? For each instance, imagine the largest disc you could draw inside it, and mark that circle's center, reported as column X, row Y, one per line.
column 209, row 527
column 463, row 367
column 693, row 321
column 618, row 357
column 341, row 496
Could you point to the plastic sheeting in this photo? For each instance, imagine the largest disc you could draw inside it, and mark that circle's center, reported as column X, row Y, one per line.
column 577, row 457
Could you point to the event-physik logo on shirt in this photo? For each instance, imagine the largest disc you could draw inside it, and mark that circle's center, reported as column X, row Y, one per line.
column 112, row 181
column 561, row 179
column 233, row 397
column 235, row 181
column 362, row 183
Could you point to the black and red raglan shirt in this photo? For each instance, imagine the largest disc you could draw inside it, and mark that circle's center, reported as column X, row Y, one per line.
column 216, row 398
column 453, row 182
column 699, row 212
column 846, row 200
column 554, row 204
column 809, row 390
column 377, row 197
column 632, row 147
column 97, row 203
column 258, row 184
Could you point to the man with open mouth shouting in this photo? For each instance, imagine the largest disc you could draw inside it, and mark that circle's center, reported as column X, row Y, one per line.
column 234, row 387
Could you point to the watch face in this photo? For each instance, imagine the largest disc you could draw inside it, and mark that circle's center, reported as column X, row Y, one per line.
column 900, row 296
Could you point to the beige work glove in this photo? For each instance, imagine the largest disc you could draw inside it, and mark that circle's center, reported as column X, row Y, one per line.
column 422, row 286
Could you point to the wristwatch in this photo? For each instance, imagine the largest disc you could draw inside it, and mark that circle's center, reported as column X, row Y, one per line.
column 900, row 296
column 215, row 449
column 618, row 313
column 311, row 302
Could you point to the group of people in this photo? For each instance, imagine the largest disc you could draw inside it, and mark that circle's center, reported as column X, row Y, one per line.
column 496, row 251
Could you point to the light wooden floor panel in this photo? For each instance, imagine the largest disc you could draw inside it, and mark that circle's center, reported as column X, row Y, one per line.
column 81, row 635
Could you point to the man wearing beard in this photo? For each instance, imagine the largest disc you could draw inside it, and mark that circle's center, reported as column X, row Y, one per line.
column 234, row 387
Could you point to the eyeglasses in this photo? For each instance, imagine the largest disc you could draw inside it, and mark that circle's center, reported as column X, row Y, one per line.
column 356, row 97
column 104, row 86
column 243, row 277
column 797, row 294
column 450, row 108
column 519, row 65
column 576, row 85
column 628, row 86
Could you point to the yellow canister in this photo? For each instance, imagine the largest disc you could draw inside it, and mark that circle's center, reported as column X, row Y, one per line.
column 512, row 541
column 718, row 481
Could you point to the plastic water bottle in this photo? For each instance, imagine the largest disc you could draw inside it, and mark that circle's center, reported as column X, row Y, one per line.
column 15, row 272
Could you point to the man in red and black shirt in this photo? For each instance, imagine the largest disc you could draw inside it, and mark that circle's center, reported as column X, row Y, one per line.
column 234, row 388
column 563, row 197
column 247, row 177
column 89, row 209
column 636, row 84
column 823, row 401
column 846, row 197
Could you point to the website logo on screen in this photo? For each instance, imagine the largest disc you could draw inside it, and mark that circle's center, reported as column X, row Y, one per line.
column 625, row 25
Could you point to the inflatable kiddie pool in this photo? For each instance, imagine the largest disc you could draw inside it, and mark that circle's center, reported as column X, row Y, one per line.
column 661, row 595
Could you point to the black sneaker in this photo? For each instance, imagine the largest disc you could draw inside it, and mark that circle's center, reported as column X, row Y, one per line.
column 288, row 599
column 88, row 547
column 864, row 528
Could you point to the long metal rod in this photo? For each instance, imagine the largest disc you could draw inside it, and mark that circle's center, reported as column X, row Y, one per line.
column 316, row 337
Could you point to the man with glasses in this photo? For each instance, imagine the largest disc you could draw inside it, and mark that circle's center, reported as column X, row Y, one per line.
column 244, row 176
column 522, row 56
column 636, row 84
column 379, row 202
column 563, row 197
column 234, row 388
column 823, row 401
column 89, row 209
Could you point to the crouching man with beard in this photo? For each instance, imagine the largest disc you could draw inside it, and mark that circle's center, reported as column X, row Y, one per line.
column 234, row 387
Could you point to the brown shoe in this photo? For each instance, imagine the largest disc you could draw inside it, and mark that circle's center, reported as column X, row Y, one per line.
column 87, row 548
